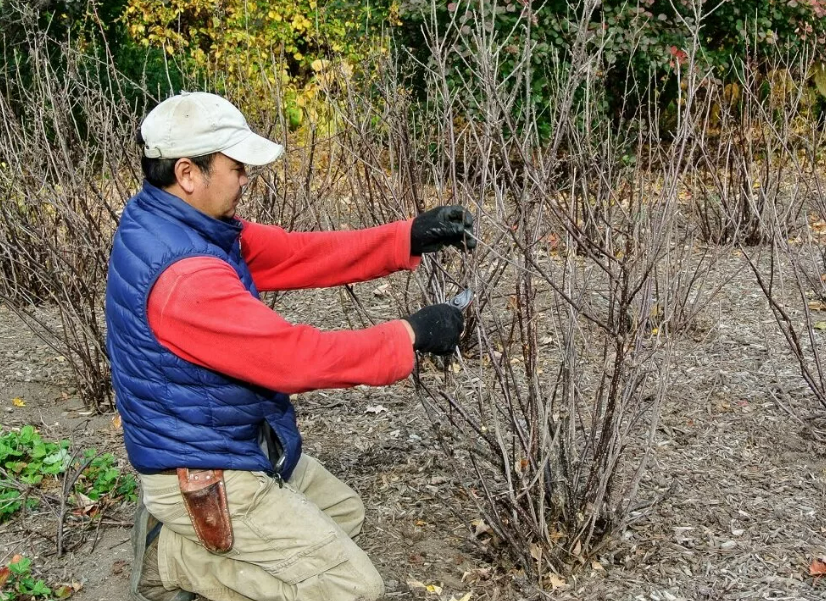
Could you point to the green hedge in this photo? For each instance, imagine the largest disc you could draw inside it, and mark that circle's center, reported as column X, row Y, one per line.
column 643, row 41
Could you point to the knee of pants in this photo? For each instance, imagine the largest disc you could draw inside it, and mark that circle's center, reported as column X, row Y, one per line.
column 354, row 580
column 351, row 517
column 372, row 586
column 357, row 512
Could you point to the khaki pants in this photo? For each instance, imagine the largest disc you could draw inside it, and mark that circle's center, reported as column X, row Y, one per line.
column 290, row 543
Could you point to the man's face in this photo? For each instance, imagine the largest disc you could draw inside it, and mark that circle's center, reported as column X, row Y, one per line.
column 217, row 193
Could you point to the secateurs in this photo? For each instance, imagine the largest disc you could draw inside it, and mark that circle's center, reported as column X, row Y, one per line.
column 462, row 300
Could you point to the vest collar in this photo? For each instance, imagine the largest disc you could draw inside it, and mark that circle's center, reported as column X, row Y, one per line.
column 221, row 232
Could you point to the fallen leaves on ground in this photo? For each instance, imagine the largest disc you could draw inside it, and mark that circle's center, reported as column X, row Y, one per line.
column 476, row 575
column 430, row 588
column 64, row 591
column 817, row 568
column 480, row 527
column 435, row 589
column 556, row 582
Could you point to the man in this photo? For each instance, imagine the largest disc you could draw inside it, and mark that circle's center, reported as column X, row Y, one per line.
column 231, row 509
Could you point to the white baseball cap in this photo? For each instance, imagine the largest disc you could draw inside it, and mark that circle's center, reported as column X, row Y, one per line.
column 194, row 124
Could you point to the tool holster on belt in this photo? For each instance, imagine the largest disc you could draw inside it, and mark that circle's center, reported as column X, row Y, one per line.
column 205, row 499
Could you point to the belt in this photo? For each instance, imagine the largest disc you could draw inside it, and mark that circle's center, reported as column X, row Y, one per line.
column 172, row 472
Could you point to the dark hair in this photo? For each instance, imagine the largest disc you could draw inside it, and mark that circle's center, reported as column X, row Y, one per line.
column 161, row 172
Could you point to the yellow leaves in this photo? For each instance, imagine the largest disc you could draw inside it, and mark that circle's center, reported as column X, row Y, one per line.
column 819, row 77
column 419, row 584
column 240, row 42
column 300, row 23
column 319, row 65
column 731, row 94
column 393, row 16
column 435, row 591
column 18, row 402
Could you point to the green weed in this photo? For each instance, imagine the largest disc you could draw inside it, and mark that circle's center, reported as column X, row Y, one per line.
column 17, row 582
column 29, row 464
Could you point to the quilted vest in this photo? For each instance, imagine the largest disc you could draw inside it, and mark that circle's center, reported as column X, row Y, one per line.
column 175, row 413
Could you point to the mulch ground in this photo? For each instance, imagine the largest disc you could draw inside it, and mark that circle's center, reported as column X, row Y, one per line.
column 737, row 485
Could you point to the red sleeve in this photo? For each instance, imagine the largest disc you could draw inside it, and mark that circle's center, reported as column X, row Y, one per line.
column 287, row 261
column 200, row 310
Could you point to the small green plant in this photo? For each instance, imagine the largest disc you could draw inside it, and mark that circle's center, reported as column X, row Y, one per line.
column 103, row 478
column 29, row 464
column 17, row 582
column 26, row 459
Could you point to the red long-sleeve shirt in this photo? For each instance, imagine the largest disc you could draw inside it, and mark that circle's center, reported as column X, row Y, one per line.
column 200, row 310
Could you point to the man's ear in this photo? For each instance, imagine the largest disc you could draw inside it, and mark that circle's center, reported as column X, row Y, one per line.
column 185, row 173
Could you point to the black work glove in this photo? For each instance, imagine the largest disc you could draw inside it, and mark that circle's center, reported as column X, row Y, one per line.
column 437, row 328
column 440, row 227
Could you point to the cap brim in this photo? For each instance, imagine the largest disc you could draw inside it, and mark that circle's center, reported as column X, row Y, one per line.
column 254, row 150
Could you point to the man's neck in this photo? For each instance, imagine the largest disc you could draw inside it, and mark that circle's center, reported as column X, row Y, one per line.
column 189, row 199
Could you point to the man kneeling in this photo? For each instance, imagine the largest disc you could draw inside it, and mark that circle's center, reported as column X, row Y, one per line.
column 231, row 508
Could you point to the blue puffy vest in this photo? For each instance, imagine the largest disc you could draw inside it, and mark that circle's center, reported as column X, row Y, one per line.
column 175, row 413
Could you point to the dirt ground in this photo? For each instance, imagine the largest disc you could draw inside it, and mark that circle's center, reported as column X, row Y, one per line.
column 737, row 486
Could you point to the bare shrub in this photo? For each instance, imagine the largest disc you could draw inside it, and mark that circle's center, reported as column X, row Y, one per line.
column 67, row 166
column 789, row 268
column 746, row 155
column 583, row 274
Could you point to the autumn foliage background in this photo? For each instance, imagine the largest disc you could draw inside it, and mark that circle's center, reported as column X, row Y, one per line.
column 248, row 49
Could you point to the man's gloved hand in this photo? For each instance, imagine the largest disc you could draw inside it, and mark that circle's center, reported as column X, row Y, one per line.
column 440, row 227
column 437, row 328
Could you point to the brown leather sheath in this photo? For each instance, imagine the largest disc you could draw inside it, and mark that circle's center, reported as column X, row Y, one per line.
column 205, row 499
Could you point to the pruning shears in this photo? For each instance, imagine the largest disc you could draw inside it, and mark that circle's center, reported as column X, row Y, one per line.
column 462, row 300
